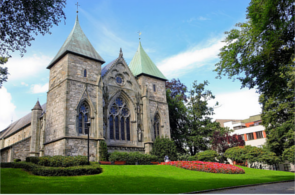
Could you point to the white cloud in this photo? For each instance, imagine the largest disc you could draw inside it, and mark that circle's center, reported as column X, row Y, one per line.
column 39, row 88
column 192, row 58
column 236, row 105
column 203, row 18
column 7, row 109
column 26, row 67
column 25, row 84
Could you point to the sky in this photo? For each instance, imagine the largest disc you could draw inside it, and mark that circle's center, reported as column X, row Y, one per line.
column 183, row 38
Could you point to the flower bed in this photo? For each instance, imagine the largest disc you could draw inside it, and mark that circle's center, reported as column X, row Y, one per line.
column 210, row 167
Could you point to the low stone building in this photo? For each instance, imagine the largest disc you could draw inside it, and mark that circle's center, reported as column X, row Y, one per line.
column 124, row 105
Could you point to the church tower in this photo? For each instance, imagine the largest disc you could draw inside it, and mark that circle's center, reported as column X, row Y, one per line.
column 74, row 98
column 155, row 107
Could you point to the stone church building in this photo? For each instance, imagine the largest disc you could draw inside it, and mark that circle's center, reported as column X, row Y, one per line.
column 124, row 105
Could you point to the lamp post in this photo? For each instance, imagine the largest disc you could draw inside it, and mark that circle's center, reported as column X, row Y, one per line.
column 88, row 126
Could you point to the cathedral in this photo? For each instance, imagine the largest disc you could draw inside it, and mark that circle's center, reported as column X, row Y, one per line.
column 124, row 105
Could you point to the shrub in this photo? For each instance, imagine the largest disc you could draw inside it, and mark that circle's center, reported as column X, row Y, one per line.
column 44, row 161
column 164, row 146
column 94, row 168
column 17, row 160
column 32, row 159
column 133, row 157
column 207, row 156
column 103, row 151
column 62, row 161
column 192, row 158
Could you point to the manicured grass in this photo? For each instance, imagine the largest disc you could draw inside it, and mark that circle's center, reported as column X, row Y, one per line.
column 129, row 179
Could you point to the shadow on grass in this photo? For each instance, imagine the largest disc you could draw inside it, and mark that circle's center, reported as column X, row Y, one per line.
column 140, row 180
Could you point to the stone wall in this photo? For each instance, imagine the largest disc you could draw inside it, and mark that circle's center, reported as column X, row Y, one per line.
column 22, row 149
column 77, row 147
column 4, row 155
column 55, row 148
column 22, row 134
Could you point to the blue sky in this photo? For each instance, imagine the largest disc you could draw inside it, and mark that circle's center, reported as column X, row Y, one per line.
column 182, row 38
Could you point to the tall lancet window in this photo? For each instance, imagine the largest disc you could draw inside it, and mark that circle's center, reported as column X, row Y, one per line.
column 157, row 125
column 85, row 73
column 83, row 118
column 119, row 119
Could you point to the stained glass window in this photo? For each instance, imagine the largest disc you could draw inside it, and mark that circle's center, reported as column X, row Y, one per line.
column 83, row 118
column 156, row 126
column 128, row 128
column 85, row 73
column 119, row 120
column 111, row 127
column 119, row 80
column 122, row 129
column 117, row 127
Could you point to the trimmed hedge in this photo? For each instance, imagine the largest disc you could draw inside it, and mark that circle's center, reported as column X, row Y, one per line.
column 94, row 168
column 62, row 161
column 17, row 160
column 133, row 157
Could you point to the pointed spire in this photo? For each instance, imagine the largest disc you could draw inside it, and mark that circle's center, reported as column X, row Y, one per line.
column 142, row 64
column 121, row 53
column 37, row 106
column 77, row 43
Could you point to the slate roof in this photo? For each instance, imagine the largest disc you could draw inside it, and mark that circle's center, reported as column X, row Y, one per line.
column 142, row 64
column 19, row 124
column 77, row 43
column 105, row 69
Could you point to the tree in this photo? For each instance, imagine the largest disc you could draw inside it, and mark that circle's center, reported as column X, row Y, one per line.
column 200, row 127
column 21, row 20
column 164, row 146
column 237, row 154
column 221, row 142
column 103, row 151
column 261, row 55
column 176, row 98
column 3, row 71
column 289, row 154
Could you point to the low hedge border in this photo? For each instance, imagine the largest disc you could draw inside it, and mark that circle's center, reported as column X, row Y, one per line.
column 91, row 169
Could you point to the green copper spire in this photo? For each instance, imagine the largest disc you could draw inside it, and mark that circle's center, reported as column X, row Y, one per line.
column 78, row 44
column 142, row 64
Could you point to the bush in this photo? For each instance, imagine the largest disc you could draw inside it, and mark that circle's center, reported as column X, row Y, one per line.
column 32, row 159
column 94, row 168
column 164, row 146
column 192, row 158
column 207, row 156
column 17, row 160
column 103, row 151
column 133, row 157
column 62, row 161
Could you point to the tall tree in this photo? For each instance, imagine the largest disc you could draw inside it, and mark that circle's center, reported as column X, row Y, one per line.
column 176, row 98
column 21, row 20
column 200, row 127
column 261, row 55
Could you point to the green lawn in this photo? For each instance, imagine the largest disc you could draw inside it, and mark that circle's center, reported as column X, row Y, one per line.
column 133, row 179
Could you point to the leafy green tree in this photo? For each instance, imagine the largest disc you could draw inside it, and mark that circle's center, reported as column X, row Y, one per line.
column 289, row 154
column 237, row 154
column 21, row 20
column 200, row 128
column 207, row 156
column 3, row 71
column 176, row 98
column 164, row 146
column 260, row 53
column 103, row 151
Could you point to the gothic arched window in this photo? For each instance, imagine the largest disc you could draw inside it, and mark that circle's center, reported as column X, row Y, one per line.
column 83, row 117
column 119, row 119
column 156, row 126
column 85, row 73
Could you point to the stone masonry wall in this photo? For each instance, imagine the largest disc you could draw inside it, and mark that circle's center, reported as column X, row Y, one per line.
column 22, row 134
column 4, row 155
column 55, row 148
column 22, row 149
column 77, row 147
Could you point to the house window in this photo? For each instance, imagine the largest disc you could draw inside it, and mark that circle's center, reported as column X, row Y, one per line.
column 250, row 136
column 154, row 87
column 85, row 73
column 259, row 134
column 119, row 119
column 83, row 118
column 156, row 126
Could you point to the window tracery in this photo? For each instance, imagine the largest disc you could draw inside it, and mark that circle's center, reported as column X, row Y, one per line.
column 156, row 126
column 83, row 117
column 119, row 120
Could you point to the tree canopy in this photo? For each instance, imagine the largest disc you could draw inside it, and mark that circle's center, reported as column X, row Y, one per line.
column 260, row 53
